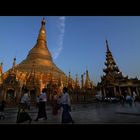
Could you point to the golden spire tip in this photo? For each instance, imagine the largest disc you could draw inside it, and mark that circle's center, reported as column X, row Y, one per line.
column 43, row 21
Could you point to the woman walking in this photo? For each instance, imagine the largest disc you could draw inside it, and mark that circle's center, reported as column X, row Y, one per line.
column 65, row 103
column 42, row 106
column 22, row 114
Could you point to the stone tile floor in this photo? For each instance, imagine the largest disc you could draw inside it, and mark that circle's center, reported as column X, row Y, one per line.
column 93, row 113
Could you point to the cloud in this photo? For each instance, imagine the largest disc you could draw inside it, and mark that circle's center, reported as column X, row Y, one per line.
column 59, row 43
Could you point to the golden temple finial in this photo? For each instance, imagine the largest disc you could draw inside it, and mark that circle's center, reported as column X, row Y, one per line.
column 43, row 22
column 86, row 68
column 42, row 32
column 41, row 43
column 87, row 81
column 77, row 86
column 69, row 75
column 82, row 80
column 12, row 71
column 76, row 80
column 14, row 62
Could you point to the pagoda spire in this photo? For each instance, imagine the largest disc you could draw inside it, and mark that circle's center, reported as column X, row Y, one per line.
column 40, row 50
column 42, row 32
column 77, row 86
column 31, row 78
column 111, row 69
column 69, row 81
column 12, row 70
column 14, row 62
column 82, row 80
column 87, row 81
column 107, row 46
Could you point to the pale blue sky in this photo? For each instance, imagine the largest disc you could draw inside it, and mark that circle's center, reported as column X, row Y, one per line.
column 75, row 42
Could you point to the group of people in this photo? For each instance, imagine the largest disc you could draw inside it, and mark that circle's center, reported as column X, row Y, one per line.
column 122, row 98
column 130, row 99
column 61, row 102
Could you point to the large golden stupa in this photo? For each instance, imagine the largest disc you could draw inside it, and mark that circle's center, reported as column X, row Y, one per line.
column 39, row 61
column 40, row 56
column 35, row 72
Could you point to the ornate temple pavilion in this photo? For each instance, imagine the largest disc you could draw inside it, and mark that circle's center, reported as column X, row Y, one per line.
column 113, row 83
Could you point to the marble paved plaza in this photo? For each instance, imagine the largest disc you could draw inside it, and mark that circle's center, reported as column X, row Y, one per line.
column 93, row 113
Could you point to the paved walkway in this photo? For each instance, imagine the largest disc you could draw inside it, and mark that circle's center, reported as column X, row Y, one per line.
column 93, row 113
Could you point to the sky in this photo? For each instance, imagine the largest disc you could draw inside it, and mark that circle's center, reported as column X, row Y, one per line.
column 75, row 42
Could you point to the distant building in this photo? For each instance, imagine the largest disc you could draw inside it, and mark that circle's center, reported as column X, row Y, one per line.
column 113, row 83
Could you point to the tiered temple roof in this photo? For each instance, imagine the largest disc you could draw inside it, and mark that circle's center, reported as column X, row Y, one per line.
column 112, row 72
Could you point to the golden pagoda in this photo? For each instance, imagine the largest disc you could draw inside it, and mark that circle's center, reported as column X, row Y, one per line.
column 70, row 83
column 87, row 84
column 77, row 85
column 36, row 71
column 41, row 57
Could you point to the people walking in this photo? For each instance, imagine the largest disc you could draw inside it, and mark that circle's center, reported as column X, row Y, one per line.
column 129, row 99
column 42, row 106
column 66, row 105
column 25, row 99
column 122, row 99
column 134, row 95
column 23, row 108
